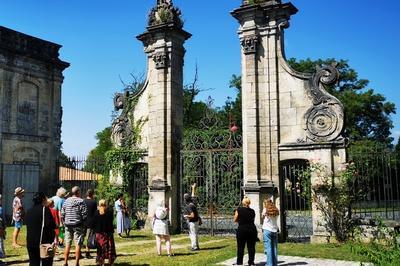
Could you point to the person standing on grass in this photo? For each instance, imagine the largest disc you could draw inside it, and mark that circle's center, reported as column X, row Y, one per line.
column 246, row 232
column 40, row 228
column 54, row 214
column 160, row 229
column 18, row 215
column 73, row 215
column 127, row 217
column 192, row 216
column 102, row 225
column 91, row 206
column 270, row 232
column 120, row 208
column 59, row 200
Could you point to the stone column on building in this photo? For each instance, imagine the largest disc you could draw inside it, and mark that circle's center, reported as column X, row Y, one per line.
column 260, row 36
column 164, row 45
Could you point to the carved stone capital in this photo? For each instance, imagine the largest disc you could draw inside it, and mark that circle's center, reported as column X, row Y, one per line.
column 161, row 60
column 250, row 44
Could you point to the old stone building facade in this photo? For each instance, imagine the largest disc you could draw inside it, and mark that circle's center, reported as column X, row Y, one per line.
column 30, row 114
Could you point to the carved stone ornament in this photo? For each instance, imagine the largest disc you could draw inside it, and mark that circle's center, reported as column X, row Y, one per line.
column 255, row 2
column 120, row 131
column 160, row 59
column 325, row 120
column 249, row 44
column 165, row 13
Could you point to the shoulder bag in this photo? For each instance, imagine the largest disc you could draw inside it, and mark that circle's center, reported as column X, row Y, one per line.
column 46, row 250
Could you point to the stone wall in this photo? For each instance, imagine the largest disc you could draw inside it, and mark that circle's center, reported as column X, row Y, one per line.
column 30, row 97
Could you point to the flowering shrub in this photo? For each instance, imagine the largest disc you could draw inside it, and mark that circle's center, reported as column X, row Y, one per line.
column 333, row 195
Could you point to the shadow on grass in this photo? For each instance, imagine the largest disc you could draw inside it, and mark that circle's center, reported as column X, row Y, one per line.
column 291, row 263
column 135, row 237
column 130, row 264
column 17, row 262
column 213, row 248
column 182, row 254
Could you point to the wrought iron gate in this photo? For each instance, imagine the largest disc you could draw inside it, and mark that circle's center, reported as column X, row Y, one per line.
column 137, row 189
column 296, row 202
column 212, row 158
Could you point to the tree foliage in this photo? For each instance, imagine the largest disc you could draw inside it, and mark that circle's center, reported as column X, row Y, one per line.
column 96, row 159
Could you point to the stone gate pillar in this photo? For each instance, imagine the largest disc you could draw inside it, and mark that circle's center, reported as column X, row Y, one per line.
column 163, row 42
column 259, row 35
column 287, row 115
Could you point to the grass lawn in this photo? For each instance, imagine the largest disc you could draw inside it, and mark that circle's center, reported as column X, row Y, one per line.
column 139, row 249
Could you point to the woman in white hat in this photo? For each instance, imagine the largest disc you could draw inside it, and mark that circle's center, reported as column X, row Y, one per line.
column 18, row 214
column 160, row 228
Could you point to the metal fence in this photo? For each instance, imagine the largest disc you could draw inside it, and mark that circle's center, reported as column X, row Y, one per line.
column 79, row 172
column 296, row 203
column 378, row 173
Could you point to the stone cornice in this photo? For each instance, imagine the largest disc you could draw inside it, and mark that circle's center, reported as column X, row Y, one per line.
column 32, row 47
column 165, row 30
column 269, row 11
column 312, row 145
column 23, row 137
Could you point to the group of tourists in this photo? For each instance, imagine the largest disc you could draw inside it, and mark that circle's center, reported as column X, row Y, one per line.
column 54, row 223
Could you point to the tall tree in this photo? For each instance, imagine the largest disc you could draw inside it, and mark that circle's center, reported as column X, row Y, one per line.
column 397, row 148
column 95, row 161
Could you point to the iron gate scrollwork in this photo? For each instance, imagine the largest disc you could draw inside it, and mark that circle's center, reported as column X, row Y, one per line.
column 212, row 158
column 137, row 189
column 296, row 202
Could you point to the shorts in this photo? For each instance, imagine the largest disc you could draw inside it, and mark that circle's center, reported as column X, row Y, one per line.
column 18, row 224
column 76, row 233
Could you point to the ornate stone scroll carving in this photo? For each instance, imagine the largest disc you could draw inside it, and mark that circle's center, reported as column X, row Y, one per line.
column 120, row 131
column 165, row 13
column 325, row 119
column 161, row 60
column 250, row 44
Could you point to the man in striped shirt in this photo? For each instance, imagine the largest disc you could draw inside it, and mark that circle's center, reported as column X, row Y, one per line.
column 73, row 215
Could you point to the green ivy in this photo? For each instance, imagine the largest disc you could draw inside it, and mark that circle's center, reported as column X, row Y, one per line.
column 123, row 160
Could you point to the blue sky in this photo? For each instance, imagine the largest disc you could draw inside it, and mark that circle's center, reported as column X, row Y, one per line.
column 98, row 39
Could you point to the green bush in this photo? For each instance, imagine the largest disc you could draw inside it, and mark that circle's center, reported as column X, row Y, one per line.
column 384, row 249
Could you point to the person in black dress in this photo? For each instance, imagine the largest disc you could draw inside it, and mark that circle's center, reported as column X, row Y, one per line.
column 246, row 232
column 102, row 224
column 34, row 218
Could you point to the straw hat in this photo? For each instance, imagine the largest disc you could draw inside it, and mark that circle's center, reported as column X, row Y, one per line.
column 18, row 191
